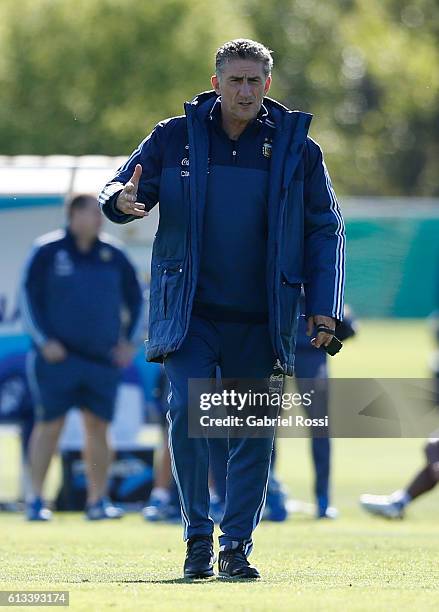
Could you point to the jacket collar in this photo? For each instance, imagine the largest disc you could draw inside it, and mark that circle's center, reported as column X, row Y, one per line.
column 275, row 114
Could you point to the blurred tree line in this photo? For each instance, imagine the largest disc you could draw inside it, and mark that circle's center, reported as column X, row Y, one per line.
column 93, row 76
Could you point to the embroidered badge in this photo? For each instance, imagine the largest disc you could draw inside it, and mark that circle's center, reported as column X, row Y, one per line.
column 266, row 149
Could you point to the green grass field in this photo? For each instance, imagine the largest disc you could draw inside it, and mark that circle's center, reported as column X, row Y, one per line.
column 356, row 562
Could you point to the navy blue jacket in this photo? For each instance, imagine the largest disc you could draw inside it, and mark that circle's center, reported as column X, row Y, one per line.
column 306, row 239
column 78, row 298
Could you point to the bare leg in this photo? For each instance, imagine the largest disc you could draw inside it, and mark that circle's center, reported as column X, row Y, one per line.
column 96, row 456
column 423, row 481
column 162, row 482
column 164, row 475
column 427, row 478
column 392, row 506
column 42, row 445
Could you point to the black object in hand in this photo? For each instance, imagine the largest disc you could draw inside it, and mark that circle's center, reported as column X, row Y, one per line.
column 335, row 345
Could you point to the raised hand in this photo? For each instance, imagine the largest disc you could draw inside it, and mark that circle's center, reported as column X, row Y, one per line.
column 127, row 200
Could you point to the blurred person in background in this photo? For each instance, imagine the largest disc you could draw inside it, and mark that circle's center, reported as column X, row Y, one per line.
column 311, row 371
column 163, row 503
column 81, row 303
column 247, row 212
column 393, row 506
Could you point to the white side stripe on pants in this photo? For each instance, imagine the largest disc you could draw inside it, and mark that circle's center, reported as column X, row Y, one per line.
column 184, row 513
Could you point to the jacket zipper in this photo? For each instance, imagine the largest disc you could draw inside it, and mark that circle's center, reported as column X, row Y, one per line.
column 283, row 200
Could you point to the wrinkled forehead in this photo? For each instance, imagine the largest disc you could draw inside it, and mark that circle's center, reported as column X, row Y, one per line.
column 243, row 68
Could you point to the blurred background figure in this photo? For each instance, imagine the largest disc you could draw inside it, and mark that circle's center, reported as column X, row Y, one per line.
column 393, row 506
column 163, row 503
column 311, row 372
column 16, row 407
column 310, row 368
column 81, row 303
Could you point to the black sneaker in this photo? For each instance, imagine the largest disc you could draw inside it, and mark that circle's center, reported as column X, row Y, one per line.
column 233, row 563
column 199, row 557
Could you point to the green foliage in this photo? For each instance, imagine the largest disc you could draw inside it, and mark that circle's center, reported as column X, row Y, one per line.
column 368, row 70
column 93, row 76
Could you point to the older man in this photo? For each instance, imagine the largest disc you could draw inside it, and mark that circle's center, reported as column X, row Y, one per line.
column 247, row 214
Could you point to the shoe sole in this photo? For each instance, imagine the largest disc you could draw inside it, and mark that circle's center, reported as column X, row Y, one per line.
column 224, row 575
column 378, row 512
column 199, row 575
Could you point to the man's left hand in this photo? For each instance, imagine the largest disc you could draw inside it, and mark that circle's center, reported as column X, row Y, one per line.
column 123, row 353
column 322, row 338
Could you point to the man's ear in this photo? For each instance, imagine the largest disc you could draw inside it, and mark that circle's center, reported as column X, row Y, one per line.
column 267, row 85
column 215, row 83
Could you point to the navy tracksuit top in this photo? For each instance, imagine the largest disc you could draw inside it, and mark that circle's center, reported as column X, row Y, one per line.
column 233, row 288
column 78, row 298
column 305, row 237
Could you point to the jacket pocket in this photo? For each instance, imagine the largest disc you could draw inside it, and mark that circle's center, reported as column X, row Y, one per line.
column 292, row 280
column 171, row 275
column 289, row 303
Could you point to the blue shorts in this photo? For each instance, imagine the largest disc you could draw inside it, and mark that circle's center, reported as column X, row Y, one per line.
column 79, row 382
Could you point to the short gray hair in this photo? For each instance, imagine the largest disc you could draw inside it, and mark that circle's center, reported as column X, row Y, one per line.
column 244, row 48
